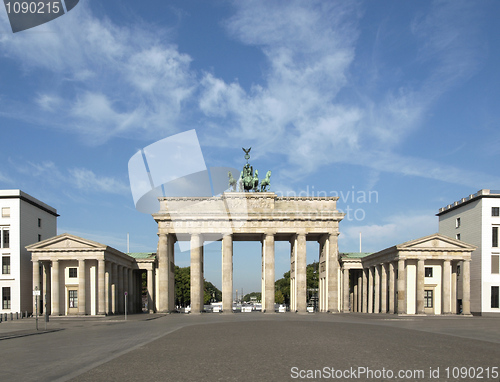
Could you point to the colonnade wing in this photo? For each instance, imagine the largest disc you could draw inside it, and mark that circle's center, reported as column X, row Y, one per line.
column 416, row 277
column 80, row 276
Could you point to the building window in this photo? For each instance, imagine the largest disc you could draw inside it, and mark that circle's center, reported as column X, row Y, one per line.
column 428, row 271
column 5, row 238
column 428, row 298
column 39, row 237
column 458, row 236
column 494, row 239
column 73, row 272
column 458, row 270
column 39, row 223
column 495, row 262
column 6, row 298
column 73, row 298
column 6, row 212
column 457, row 223
column 494, row 297
column 495, row 211
column 6, row 265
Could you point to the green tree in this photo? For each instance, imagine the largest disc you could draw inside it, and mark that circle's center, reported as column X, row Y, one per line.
column 278, row 297
column 283, row 286
column 257, row 295
column 211, row 293
column 312, row 280
column 182, row 286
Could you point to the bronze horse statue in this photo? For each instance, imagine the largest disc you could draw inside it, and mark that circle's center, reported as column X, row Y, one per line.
column 266, row 182
column 232, row 181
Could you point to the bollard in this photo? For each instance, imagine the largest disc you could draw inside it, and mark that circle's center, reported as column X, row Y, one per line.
column 1, row 317
column 11, row 316
column 5, row 317
column 17, row 315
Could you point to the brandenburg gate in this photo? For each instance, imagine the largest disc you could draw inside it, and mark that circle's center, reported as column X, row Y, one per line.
column 250, row 216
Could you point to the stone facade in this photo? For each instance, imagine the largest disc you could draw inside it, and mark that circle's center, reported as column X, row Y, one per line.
column 424, row 276
column 475, row 219
column 82, row 277
column 417, row 277
column 238, row 216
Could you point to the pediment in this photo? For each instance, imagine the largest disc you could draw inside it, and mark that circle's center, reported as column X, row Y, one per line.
column 66, row 241
column 435, row 241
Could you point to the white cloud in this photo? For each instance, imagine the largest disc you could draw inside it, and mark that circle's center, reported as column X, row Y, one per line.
column 5, row 179
column 310, row 48
column 105, row 80
column 78, row 178
column 127, row 81
column 86, row 180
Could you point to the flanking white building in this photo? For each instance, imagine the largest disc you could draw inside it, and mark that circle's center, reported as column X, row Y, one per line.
column 475, row 219
column 83, row 277
column 23, row 220
column 421, row 276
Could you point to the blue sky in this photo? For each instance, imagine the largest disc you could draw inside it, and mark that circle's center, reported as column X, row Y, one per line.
column 394, row 98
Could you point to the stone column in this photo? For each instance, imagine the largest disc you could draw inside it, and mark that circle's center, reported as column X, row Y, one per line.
column 55, row 288
column 171, row 273
column 371, row 272
column 454, row 288
column 401, row 286
column 466, row 287
column 383, row 288
column 196, row 274
column 354, row 301
column 376, row 309
column 162, row 273
column 345, row 306
column 81, row 287
column 114, row 278
column 300, row 274
column 151, row 288
column 36, row 285
column 101, row 289
column 359, row 284
column 119, row 294
column 125, row 288
column 227, row 273
column 364, row 304
column 446, row 293
column 293, row 273
column 391, row 287
column 131, row 291
column 268, row 249
column 420, row 286
column 166, row 273
column 107, row 287
column 138, row 288
column 332, row 272
column 47, row 287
